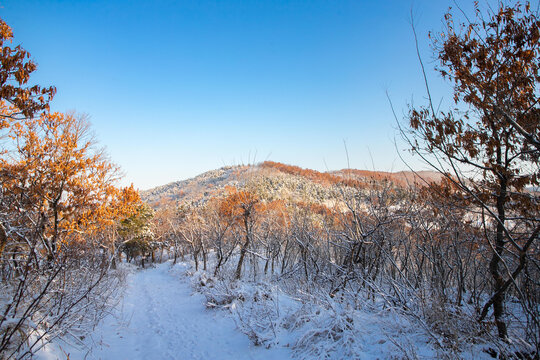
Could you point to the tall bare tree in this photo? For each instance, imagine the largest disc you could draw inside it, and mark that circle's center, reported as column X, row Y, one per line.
column 487, row 143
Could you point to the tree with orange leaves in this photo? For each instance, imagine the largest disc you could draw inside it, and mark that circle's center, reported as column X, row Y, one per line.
column 17, row 100
column 59, row 206
column 242, row 207
column 62, row 178
column 14, row 75
column 488, row 146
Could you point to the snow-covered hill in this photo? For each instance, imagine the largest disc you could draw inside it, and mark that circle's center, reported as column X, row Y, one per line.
column 275, row 180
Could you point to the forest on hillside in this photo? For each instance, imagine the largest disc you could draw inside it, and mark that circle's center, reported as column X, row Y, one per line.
column 455, row 253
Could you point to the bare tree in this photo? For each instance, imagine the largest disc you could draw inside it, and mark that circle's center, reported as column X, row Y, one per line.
column 486, row 146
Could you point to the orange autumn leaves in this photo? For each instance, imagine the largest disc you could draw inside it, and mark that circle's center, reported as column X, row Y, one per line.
column 14, row 75
column 241, row 204
column 322, row 178
column 52, row 165
column 55, row 182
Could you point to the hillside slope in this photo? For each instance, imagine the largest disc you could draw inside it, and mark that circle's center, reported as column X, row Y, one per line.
column 274, row 180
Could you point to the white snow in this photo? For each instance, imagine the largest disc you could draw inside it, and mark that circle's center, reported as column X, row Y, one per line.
column 160, row 318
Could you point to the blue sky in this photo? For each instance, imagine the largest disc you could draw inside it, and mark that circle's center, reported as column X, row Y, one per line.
column 177, row 88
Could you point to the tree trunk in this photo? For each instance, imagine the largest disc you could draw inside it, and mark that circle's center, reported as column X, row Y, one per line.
column 196, row 259
column 243, row 251
column 3, row 239
column 205, row 259
column 498, row 299
column 220, row 260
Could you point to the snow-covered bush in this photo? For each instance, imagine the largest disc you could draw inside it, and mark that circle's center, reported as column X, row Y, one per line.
column 326, row 333
column 67, row 300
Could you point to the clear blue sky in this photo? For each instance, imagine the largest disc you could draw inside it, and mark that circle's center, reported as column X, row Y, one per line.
column 177, row 88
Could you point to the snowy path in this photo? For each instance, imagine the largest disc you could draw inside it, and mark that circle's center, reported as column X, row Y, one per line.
column 161, row 319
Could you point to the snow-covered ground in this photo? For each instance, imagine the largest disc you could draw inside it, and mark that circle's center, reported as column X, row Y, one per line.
column 161, row 318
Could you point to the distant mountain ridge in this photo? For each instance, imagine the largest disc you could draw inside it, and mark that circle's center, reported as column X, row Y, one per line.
column 277, row 180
